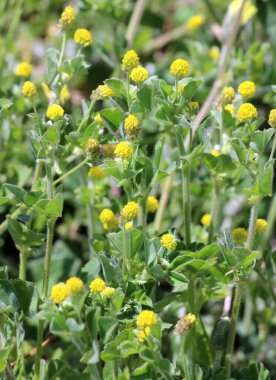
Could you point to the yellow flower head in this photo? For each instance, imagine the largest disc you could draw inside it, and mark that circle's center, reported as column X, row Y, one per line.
column 59, row 293
column 131, row 125
column 139, row 74
column 246, row 112
column 130, row 60
column 98, row 118
column 109, row 220
column 169, row 241
column 46, row 90
column 83, row 37
column 206, row 219
column 179, row 68
column 55, row 112
column 193, row 106
column 239, row 235
column 93, row 146
column 74, row 285
column 261, row 225
column 146, row 318
column 227, row 95
column 230, row 108
column 272, row 118
column 124, row 150
column 68, row 17
column 215, row 152
column 64, row 94
column 184, row 324
column 128, row 225
column 108, row 292
column 247, row 89
column 24, row 69
column 152, row 204
column 194, row 22
column 130, row 211
column 214, row 53
column 97, row 285
column 29, row 90
column 143, row 334
column 105, row 92
column 96, row 173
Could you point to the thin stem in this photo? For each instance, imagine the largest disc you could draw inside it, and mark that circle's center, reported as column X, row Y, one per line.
column 187, row 203
column 87, row 115
column 73, row 170
column 48, row 254
column 214, row 210
column 252, row 225
column 125, row 257
column 273, row 147
column 127, row 90
column 163, row 203
column 39, row 348
column 270, row 221
column 63, row 43
column 37, row 173
column 134, row 21
column 23, row 264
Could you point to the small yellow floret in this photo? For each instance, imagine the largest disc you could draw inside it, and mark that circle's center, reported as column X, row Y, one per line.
column 29, row 90
column 130, row 60
column 24, row 69
column 179, row 68
column 109, row 220
column 97, row 285
column 206, row 219
column 68, row 17
column 83, row 37
column 74, row 285
column 108, row 292
column 130, row 211
column 227, row 95
column 193, row 106
column 59, row 293
column 247, row 89
column 143, row 334
column 214, row 53
column 128, row 225
column 96, row 173
column 64, row 94
column 194, row 22
column 93, row 146
column 139, row 74
column 272, row 118
column 131, row 125
column 46, row 90
column 98, row 118
column 152, row 204
column 55, row 112
column 105, row 92
column 247, row 112
column 230, row 108
column 239, row 235
column 146, row 318
column 169, row 241
column 124, row 150
column 261, row 225
column 184, row 324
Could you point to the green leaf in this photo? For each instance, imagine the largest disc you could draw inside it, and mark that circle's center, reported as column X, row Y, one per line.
column 5, row 104
column 22, row 235
column 107, row 325
column 112, row 118
column 191, row 87
column 261, row 139
column 221, row 164
column 4, row 200
column 4, row 353
column 51, row 208
column 240, row 149
column 145, row 98
column 17, row 191
column 51, row 136
column 115, row 84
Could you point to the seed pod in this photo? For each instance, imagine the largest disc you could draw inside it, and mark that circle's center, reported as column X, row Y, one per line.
column 220, row 333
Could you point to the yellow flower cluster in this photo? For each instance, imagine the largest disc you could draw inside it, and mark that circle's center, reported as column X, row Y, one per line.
column 261, row 225
column 105, row 92
column 130, row 60
column 61, row 291
column 130, row 211
column 131, row 125
column 24, row 69
column 272, row 118
column 93, row 146
column 169, row 241
column 143, row 334
column 230, row 108
column 109, row 220
column 98, row 118
column 29, row 90
column 246, row 112
column 108, row 292
column 152, row 204
column 74, row 284
column 184, row 324
column 139, row 74
column 128, row 225
column 247, row 89
column 214, row 53
column 146, row 318
column 179, row 68
column 206, row 219
column 124, row 150
column 64, row 94
column 193, row 106
column 239, row 235
column 215, row 153
column 96, row 173
column 227, row 95
column 68, row 17
column 97, row 285
column 55, row 112
column 194, row 22
column 83, row 37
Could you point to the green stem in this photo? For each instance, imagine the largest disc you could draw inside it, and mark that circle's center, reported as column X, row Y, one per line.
column 62, row 50
column 273, row 147
column 127, row 90
column 87, row 115
column 125, row 257
column 214, row 210
column 187, row 203
column 23, row 264
column 252, row 225
column 39, row 348
column 163, row 203
column 270, row 221
column 73, row 170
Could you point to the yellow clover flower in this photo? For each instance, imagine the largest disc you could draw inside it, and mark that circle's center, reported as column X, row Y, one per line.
column 74, row 285
column 96, row 173
column 64, row 94
column 29, row 90
column 227, row 95
column 206, row 219
column 124, row 150
column 109, row 220
column 130, row 211
column 139, row 74
column 169, row 241
column 93, row 146
column 98, row 118
column 83, row 37
column 152, row 204
column 59, row 293
column 68, row 17
column 185, row 323
column 247, row 89
column 55, row 112
column 194, row 22
column 146, row 318
column 261, row 225
column 97, row 285
column 230, row 108
column 24, row 69
column 214, row 53
column 131, row 125
column 239, row 235
column 108, row 292
column 130, row 60
column 179, row 68
column 215, row 153
column 105, row 92
column 272, row 118
column 143, row 334
column 246, row 112
column 128, row 225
